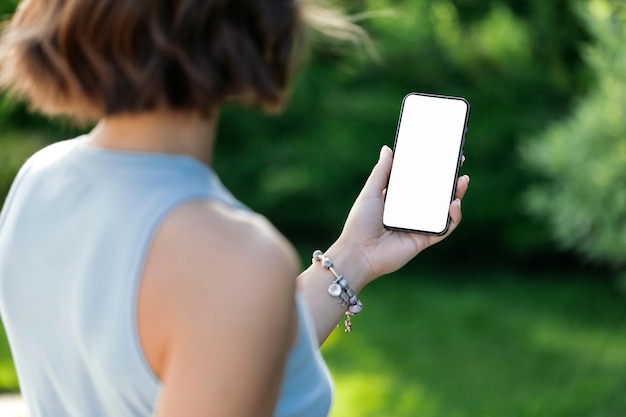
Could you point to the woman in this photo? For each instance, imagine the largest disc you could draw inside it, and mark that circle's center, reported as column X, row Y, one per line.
column 131, row 282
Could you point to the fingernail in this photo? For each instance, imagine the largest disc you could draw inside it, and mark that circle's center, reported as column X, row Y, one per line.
column 467, row 178
column 382, row 151
column 458, row 202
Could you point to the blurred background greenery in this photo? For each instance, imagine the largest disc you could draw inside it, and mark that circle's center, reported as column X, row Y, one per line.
column 520, row 312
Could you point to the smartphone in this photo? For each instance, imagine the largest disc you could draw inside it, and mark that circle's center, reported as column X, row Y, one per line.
column 426, row 159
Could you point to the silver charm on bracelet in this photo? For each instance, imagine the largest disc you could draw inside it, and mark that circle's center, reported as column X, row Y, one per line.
column 340, row 289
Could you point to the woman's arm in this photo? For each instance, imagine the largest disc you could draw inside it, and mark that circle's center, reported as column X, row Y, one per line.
column 366, row 250
column 216, row 312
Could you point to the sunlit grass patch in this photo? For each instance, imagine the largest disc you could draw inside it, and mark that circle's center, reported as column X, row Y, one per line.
column 451, row 345
column 8, row 377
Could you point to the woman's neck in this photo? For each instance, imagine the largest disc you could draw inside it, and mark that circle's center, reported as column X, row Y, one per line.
column 159, row 132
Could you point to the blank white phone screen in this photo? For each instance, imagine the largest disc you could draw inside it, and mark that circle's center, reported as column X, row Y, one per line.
column 427, row 151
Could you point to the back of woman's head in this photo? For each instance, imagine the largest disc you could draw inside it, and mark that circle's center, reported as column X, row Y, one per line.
column 95, row 58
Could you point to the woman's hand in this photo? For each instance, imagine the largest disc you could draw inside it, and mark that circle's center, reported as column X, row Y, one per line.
column 383, row 250
column 366, row 250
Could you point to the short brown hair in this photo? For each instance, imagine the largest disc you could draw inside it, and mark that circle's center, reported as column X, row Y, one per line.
column 95, row 58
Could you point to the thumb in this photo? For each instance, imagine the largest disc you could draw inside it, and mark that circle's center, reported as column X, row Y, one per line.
column 379, row 176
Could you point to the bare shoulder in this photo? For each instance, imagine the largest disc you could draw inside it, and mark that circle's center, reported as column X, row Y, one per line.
column 211, row 269
column 226, row 237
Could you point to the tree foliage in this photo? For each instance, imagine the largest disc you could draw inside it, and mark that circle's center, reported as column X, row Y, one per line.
column 516, row 61
column 582, row 159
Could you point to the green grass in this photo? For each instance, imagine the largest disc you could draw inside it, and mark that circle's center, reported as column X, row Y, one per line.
column 8, row 378
column 432, row 346
column 448, row 344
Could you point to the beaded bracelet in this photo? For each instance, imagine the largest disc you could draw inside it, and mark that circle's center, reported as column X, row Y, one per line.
column 340, row 289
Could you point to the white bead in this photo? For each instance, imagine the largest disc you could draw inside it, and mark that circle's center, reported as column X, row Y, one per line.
column 334, row 290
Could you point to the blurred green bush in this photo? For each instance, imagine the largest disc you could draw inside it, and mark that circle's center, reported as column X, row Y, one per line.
column 582, row 159
column 7, row 6
column 516, row 61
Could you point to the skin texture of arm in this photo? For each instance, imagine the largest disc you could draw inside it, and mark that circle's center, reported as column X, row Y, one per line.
column 216, row 312
column 366, row 250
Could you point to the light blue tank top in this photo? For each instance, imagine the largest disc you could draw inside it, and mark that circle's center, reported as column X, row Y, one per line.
column 74, row 234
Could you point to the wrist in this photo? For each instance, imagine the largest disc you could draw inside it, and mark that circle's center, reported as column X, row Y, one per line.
column 352, row 262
